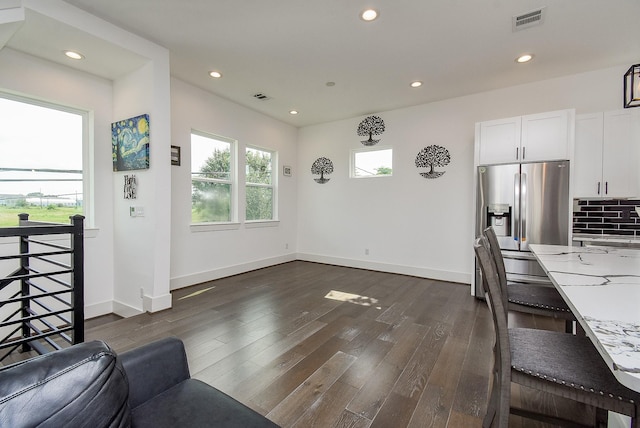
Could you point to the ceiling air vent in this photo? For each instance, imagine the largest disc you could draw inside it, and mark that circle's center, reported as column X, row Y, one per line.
column 529, row 19
column 261, row 97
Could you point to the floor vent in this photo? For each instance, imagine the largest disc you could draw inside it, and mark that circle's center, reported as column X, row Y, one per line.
column 529, row 19
column 261, row 97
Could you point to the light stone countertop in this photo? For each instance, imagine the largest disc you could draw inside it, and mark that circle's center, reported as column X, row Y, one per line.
column 601, row 285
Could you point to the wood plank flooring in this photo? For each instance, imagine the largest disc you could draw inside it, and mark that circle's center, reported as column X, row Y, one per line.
column 397, row 351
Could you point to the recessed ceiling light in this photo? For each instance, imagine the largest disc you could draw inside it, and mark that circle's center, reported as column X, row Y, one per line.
column 215, row 74
column 416, row 84
column 331, row 83
column 524, row 58
column 73, row 55
column 369, row 15
column 293, row 112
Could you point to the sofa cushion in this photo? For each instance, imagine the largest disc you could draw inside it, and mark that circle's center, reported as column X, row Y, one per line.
column 80, row 386
column 193, row 404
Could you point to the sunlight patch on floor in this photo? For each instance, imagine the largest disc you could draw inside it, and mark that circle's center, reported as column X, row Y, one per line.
column 196, row 293
column 351, row 298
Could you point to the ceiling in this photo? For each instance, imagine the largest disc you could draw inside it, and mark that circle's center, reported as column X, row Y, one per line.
column 289, row 50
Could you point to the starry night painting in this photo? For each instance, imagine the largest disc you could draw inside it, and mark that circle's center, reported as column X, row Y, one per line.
column 130, row 143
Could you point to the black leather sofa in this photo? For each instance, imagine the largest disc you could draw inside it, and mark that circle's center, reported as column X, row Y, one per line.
column 88, row 385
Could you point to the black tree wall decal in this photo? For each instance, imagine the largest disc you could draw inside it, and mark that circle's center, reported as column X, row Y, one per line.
column 430, row 157
column 322, row 166
column 371, row 125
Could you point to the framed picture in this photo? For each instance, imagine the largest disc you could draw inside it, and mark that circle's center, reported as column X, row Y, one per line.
column 175, row 155
column 286, row 171
column 130, row 143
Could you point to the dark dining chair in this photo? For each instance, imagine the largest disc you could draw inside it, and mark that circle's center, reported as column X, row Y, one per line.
column 558, row 363
column 526, row 297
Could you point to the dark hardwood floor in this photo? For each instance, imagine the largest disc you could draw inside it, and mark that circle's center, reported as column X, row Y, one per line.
column 397, row 351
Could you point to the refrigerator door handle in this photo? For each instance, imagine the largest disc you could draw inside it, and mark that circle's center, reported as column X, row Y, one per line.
column 516, row 207
column 523, row 208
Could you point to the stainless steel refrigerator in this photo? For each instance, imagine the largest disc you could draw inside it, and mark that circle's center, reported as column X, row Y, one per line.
column 526, row 204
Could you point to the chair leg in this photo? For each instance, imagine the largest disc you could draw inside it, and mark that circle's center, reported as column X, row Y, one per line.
column 491, row 411
column 492, row 405
column 568, row 327
column 602, row 418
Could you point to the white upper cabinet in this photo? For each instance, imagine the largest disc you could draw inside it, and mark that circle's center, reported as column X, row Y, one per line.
column 531, row 138
column 607, row 154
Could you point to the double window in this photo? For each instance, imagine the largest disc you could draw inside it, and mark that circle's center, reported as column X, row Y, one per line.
column 214, row 181
column 212, row 178
column 260, row 190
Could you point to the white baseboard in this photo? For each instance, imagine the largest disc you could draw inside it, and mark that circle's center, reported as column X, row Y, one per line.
column 441, row 275
column 157, row 303
column 200, row 277
column 98, row 309
column 125, row 310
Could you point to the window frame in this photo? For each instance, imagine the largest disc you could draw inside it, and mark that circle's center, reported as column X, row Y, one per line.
column 232, row 223
column 352, row 161
column 88, row 180
column 273, row 186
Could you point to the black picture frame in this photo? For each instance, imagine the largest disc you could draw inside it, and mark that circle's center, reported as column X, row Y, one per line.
column 175, row 155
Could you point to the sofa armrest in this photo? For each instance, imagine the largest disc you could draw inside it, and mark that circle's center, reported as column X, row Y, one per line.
column 154, row 368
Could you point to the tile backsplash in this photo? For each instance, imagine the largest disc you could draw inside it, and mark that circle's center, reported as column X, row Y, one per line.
column 606, row 217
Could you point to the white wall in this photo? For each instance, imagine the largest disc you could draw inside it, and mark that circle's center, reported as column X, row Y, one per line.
column 32, row 77
column 198, row 256
column 410, row 224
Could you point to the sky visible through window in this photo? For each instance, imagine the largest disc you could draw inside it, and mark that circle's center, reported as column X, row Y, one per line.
column 367, row 162
column 41, row 151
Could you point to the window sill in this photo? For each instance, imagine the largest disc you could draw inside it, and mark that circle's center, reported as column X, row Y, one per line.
column 91, row 232
column 261, row 223
column 208, row 227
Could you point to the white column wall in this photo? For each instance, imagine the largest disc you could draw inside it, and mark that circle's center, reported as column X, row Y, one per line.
column 32, row 77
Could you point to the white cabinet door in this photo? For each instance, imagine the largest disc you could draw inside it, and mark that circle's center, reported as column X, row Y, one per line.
column 545, row 136
column 620, row 159
column 500, row 141
column 607, row 155
column 587, row 159
column 531, row 138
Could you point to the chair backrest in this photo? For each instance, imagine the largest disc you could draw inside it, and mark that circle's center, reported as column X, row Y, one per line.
column 502, row 353
column 496, row 254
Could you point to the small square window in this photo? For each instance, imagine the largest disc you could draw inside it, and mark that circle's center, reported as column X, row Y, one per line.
column 376, row 162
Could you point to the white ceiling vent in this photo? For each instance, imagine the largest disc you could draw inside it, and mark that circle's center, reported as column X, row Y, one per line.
column 529, row 19
column 262, row 97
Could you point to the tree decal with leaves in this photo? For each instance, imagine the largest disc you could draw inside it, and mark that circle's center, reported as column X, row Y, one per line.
column 322, row 166
column 430, row 157
column 370, row 126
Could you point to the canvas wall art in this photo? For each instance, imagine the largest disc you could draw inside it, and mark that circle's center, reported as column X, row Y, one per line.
column 130, row 143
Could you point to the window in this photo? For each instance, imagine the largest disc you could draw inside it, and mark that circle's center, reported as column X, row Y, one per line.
column 376, row 162
column 260, row 185
column 212, row 178
column 41, row 166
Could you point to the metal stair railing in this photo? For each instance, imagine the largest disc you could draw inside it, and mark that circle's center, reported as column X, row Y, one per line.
column 42, row 300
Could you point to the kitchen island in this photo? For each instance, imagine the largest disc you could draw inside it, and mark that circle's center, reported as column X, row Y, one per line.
column 601, row 285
